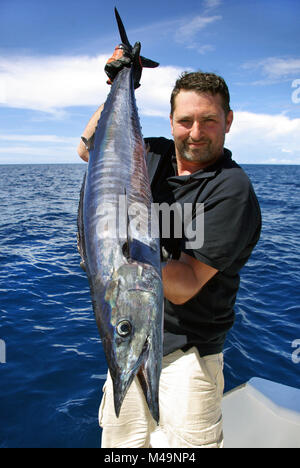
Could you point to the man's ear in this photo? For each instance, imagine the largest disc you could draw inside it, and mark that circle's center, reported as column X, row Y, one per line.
column 171, row 122
column 229, row 120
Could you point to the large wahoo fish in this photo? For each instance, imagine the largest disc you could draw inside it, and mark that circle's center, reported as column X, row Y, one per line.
column 121, row 255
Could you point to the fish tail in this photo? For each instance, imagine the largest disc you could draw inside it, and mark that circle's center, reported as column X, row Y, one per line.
column 143, row 61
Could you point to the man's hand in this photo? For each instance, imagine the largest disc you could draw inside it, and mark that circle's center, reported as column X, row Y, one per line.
column 183, row 278
column 123, row 57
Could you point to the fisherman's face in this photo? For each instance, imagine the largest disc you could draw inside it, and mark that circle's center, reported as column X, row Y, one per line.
column 199, row 126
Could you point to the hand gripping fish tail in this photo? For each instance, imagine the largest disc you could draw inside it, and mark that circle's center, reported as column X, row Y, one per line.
column 126, row 55
column 147, row 63
column 122, row 258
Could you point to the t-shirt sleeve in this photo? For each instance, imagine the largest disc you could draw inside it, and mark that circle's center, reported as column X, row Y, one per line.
column 228, row 222
column 159, row 145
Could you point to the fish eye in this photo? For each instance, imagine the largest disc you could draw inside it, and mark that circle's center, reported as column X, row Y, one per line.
column 124, row 328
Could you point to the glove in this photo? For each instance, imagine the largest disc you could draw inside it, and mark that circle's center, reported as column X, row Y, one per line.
column 124, row 57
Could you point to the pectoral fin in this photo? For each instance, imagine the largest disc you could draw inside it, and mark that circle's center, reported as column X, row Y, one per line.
column 89, row 143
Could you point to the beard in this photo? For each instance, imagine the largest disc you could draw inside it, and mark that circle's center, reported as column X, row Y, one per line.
column 204, row 154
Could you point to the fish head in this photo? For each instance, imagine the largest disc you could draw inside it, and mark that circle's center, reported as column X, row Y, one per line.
column 134, row 344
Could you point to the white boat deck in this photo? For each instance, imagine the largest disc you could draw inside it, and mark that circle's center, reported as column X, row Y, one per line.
column 258, row 414
column 262, row 414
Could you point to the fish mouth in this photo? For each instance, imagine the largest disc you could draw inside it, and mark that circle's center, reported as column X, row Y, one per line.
column 148, row 376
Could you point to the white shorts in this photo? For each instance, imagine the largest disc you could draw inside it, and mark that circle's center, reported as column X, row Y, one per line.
column 190, row 396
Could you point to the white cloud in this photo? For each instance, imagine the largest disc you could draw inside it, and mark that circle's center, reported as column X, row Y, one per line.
column 184, row 30
column 18, row 148
column 254, row 138
column 2, row 91
column 205, row 48
column 274, row 69
column 278, row 67
column 188, row 30
column 37, row 138
column 264, row 138
column 39, row 151
column 39, row 154
column 52, row 84
column 153, row 99
column 210, row 4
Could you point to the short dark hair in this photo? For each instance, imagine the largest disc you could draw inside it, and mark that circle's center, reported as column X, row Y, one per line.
column 202, row 83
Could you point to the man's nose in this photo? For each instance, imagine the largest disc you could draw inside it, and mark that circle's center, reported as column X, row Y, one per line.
column 196, row 131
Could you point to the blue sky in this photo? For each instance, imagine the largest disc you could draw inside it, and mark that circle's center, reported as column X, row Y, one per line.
column 52, row 55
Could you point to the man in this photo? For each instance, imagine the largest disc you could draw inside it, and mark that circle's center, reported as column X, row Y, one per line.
column 200, row 284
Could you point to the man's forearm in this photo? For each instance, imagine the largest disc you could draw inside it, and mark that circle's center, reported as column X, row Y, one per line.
column 179, row 282
column 88, row 132
column 184, row 278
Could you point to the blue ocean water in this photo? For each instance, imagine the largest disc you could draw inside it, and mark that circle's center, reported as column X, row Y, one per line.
column 51, row 382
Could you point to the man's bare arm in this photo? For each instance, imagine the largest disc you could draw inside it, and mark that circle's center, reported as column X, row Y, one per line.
column 88, row 132
column 183, row 278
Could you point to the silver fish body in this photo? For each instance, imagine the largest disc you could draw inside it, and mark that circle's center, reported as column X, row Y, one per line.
column 122, row 257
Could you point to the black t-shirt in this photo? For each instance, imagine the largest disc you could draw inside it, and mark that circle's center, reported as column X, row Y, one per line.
column 231, row 229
